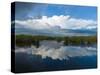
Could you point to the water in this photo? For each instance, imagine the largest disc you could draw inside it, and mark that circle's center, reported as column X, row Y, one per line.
column 52, row 55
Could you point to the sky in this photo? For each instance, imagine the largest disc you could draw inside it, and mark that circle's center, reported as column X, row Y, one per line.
column 54, row 18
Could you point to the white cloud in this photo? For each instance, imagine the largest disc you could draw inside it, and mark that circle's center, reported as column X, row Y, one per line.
column 64, row 52
column 66, row 22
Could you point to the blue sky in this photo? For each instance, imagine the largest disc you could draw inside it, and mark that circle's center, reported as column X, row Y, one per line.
column 56, row 19
column 35, row 9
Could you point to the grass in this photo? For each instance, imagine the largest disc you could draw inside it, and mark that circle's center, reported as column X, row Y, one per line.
column 27, row 40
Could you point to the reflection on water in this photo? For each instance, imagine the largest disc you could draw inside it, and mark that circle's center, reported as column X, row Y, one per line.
column 52, row 55
column 59, row 53
column 56, row 50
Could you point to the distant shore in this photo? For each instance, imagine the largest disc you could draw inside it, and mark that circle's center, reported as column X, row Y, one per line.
column 28, row 40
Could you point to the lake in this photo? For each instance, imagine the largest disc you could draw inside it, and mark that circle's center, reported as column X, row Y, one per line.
column 53, row 55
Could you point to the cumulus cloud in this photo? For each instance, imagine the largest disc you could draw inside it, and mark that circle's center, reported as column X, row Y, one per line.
column 64, row 52
column 63, row 22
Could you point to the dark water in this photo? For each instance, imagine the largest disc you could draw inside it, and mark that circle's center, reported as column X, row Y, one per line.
column 34, row 63
column 51, row 56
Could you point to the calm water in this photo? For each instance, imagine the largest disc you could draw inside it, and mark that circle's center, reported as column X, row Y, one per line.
column 52, row 55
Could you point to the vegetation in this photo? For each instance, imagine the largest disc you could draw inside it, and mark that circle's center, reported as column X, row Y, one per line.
column 27, row 40
column 80, row 40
